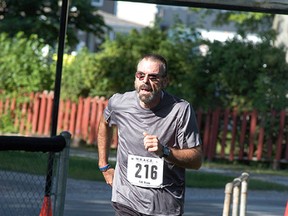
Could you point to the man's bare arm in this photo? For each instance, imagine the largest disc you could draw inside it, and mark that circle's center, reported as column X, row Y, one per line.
column 188, row 158
column 104, row 142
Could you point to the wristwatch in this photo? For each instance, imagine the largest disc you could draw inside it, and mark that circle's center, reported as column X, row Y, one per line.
column 166, row 151
column 105, row 168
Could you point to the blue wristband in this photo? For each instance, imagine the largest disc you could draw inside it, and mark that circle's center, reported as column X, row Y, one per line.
column 105, row 168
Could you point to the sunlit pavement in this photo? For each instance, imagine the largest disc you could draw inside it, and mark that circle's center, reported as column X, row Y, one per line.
column 91, row 198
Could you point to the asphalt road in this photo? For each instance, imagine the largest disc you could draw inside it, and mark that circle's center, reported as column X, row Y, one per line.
column 90, row 198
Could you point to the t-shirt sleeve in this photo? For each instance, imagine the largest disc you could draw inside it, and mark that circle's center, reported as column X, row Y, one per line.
column 108, row 111
column 188, row 133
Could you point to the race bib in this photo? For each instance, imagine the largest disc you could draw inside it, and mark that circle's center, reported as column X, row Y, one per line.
column 145, row 171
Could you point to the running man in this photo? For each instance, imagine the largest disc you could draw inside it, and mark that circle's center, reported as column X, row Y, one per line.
column 158, row 139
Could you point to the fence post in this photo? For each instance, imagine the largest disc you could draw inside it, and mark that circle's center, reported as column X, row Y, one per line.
column 277, row 159
column 234, row 131
column 224, row 135
column 50, row 98
column 233, row 189
column 206, row 133
column 228, row 192
column 244, row 189
column 35, row 112
column 236, row 192
column 61, row 177
column 253, row 125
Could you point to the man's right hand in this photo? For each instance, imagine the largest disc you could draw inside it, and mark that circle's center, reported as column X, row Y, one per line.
column 109, row 175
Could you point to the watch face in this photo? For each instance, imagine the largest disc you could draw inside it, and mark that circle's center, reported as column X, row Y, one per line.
column 166, row 151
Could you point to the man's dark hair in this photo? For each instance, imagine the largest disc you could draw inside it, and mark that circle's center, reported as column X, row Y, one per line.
column 158, row 58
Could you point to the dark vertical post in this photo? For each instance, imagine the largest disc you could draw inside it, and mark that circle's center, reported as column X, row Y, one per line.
column 61, row 44
column 57, row 87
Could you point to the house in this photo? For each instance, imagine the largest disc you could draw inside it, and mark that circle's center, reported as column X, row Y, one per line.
column 124, row 16
column 107, row 9
column 280, row 24
column 203, row 23
column 167, row 15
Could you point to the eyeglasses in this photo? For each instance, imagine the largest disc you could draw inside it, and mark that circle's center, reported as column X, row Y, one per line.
column 153, row 77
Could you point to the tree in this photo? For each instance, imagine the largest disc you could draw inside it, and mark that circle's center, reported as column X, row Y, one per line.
column 41, row 17
column 245, row 75
column 24, row 67
column 237, row 73
column 117, row 60
column 244, row 22
column 112, row 69
column 78, row 74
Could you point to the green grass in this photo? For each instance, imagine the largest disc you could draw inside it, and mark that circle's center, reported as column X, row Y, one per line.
column 30, row 162
column 213, row 180
column 84, row 168
column 252, row 166
column 87, row 169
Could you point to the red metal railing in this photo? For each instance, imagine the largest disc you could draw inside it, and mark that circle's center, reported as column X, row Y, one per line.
column 226, row 134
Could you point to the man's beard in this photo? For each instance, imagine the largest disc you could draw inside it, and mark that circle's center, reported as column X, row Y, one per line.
column 147, row 98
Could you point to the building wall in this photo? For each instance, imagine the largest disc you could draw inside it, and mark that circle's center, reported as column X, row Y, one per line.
column 107, row 11
column 280, row 24
column 168, row 15
column 109, row 6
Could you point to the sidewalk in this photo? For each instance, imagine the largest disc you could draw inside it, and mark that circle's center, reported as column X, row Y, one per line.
column 90, row 198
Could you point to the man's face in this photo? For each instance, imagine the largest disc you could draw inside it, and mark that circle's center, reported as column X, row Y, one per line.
column 149, row 82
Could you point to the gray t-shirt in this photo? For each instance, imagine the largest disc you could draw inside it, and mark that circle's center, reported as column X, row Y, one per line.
column 173, row 121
